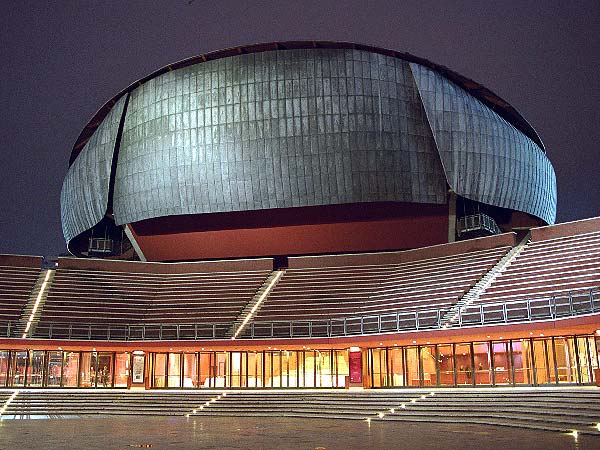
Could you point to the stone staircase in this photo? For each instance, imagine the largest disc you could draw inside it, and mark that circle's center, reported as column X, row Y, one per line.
column 562, row 409
column 73, row 403
column 473, row 294
column 254, row 305
column 556, row 409
column 35, row 304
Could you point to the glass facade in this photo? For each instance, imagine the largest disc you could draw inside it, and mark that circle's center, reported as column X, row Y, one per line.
column 515, row 362
column 539, row 361
column 271, row 369
column 48, row 368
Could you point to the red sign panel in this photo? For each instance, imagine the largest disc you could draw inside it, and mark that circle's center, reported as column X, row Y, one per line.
column 355, row 367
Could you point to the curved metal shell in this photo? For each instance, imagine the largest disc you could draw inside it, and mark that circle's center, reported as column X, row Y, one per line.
column 276, row 129
column 84, row 194
column 485, row 158
column 303, row 127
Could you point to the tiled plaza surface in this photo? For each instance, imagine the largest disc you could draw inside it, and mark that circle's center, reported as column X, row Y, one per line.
column 129, row 432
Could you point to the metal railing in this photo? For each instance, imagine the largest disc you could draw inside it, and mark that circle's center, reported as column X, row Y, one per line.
column 516, row 311
column 477, row 222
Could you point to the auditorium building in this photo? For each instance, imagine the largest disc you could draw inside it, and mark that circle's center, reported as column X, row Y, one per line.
column 306, row 214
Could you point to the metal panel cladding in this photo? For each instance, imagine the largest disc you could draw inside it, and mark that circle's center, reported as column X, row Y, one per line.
column 276, row 129
column 84, row 194
column 485, row 158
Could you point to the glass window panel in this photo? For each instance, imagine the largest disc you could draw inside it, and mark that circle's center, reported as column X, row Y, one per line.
column 446, row 364
column 541, row 360
column 55, row 360
column 412, row 366
column 4, row 358
column 428, row 365
column 325, row 371
column 159, row 370
column 377, row 375
column 309, row 369
column 35, row 368
column 292, row 360
column 481, row 357
column 236, row 369
column 522, row 361
column 220, row 369
column 205, row 370
column 395, row 367
column 17, row 369
column 104, row 377
column 276, row 369
column 342, row 367
column 87, row 377
column 121, row 369
column 593, row 355
column 464, row 370
column 502, row 365
column 584, row 360
column 190, row 370
column 71, row 369
column 565, row 360
column 174, row 370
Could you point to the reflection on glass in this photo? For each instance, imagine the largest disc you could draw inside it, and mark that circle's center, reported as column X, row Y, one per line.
column 583, row 357
column 190, row 372
column 481, row 357
column 522, row 361
column 429, row 365
column 18, row 364
column 464, row 369
column 159, row 375
column 121, row 369
column 35, row 368
column 55, row 360
column 542, row 362
column 446, row 365
column 4, row 358
column 71, row 369
column 174, row 370
column 412, row 366
column 502, row 363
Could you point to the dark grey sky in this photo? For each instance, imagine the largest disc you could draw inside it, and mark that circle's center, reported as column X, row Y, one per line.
column 62, row 60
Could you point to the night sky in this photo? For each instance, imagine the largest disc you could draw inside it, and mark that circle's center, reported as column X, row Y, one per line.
column 62, row 60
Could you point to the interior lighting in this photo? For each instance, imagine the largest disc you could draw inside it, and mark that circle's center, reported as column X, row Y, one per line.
column 261, row 298
column 36, row 304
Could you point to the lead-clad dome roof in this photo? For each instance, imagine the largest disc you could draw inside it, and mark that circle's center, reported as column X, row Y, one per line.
column 302, row 125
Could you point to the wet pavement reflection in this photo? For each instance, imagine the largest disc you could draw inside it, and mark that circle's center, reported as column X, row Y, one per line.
column 105, row 433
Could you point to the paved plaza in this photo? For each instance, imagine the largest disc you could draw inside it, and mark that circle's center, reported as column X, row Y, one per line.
column 106, row 433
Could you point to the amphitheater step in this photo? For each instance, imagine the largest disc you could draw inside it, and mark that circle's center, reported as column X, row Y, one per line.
column 35, row 304
column 254, row 305
column 557, row 409
column 473, row 294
